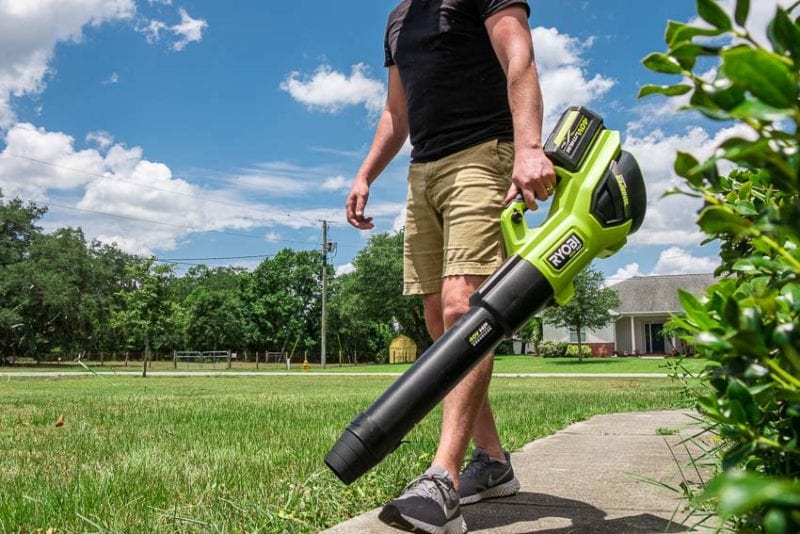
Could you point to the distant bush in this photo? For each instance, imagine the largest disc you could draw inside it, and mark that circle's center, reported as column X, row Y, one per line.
column 553, row 349
column 505, row 347
column 572, row 351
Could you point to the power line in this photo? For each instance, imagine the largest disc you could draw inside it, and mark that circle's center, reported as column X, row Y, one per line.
column 217, row 258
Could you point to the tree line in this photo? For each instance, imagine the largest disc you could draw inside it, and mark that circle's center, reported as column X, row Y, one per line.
column 63, row 295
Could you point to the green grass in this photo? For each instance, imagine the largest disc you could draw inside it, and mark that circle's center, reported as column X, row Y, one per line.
column 503, row 364
column 235, row 454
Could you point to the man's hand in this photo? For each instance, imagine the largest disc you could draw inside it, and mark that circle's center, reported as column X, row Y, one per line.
column 533, row 176
column 356, row 202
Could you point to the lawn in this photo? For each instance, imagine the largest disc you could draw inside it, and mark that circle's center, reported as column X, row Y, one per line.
column 503, row 364
column 233, row 454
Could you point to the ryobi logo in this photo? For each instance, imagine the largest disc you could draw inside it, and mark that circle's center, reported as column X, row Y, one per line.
column 565, row 252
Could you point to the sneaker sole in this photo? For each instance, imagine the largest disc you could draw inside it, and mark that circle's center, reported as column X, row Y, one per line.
column 393, row 518
column 503, row 490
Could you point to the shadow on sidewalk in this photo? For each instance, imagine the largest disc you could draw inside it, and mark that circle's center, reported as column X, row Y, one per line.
column 575, row 516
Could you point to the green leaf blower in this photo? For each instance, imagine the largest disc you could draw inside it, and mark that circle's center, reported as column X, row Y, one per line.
column 599, row 201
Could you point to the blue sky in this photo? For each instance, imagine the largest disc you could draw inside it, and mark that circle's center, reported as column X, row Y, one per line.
column 200, row 128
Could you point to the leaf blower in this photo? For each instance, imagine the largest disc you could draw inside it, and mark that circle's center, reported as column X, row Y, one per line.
column 599, row 201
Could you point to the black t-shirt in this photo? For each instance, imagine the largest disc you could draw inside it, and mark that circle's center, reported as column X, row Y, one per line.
column 454, row 85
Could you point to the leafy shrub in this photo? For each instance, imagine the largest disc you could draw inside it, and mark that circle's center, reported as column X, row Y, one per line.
column 553, row 349
column 748, row 322
column 572, row 351
column 505, row 347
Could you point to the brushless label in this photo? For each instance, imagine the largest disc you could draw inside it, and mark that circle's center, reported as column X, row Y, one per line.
column 480, row 333
column 565, row 251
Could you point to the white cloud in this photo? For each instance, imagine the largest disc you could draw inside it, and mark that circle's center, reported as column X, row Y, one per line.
column 20, row 174
column 335, row 183
column 272, row 237
column 188, row 30
column 399, row 221
column 673, row 260
column 100, row 138
column 562, row 73
column 624, row 273
column 150, row 209
column 356, row 154
column 329, row 90
column 347, row 268
column 283, row 179
column 406, row 149
column 153, row 30
column 277, row 186
column 112, row 79
column 29, row 32
column 671, row 220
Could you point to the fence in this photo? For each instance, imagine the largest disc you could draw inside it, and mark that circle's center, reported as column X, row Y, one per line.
column 203, row 357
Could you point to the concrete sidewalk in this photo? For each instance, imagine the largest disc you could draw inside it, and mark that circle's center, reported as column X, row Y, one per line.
column 585, row 479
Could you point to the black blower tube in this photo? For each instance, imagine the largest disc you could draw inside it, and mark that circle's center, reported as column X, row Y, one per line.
column 505, row 302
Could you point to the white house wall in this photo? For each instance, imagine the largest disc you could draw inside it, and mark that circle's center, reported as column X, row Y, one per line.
column 553, row 333
column 618, row 333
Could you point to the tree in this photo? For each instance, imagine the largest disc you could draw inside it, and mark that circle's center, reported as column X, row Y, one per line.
column 531, row 333
column 17, row 228
column 370, row 299
column 55, row 293
column 214, row 320
column 353, row 330
column 588, row 309
column 148, row 313
column 283, row 300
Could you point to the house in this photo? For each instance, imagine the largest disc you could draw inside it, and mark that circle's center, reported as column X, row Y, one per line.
column 646, row 303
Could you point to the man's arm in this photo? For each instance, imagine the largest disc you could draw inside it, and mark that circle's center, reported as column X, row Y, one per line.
column 533, row 175
column 390, row 134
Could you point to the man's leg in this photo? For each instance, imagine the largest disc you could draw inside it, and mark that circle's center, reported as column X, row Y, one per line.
column 466, row 407
column 430, row 503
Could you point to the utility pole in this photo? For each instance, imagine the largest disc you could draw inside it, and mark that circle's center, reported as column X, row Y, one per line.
column 324, row 289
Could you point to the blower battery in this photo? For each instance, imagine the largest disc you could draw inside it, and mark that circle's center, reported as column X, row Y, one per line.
column 572, row 137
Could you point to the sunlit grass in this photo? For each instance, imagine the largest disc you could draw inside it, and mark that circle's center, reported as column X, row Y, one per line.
column 503, row 364
column 235, row 454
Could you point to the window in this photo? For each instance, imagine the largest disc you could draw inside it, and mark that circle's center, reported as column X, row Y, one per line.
column 573, row 335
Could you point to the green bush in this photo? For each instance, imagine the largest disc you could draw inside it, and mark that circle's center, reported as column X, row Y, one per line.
column 572, row 351
column 505, row 347
column 748, row 322
column 553, row 349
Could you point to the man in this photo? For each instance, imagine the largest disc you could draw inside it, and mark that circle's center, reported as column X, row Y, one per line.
column 463, row 83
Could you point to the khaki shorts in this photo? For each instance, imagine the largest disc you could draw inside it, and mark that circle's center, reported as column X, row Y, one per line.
column 453, row 216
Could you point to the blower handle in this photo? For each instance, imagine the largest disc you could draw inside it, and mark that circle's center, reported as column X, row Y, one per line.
column 567, row 147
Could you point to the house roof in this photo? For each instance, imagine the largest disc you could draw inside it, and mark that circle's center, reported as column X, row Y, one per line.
column 652, row 294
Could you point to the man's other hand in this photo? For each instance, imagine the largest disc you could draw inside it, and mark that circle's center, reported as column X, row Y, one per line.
column 356, row 202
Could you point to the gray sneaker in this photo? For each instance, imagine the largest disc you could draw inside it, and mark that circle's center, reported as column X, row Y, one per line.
column 428, row 504
column 484, row 478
